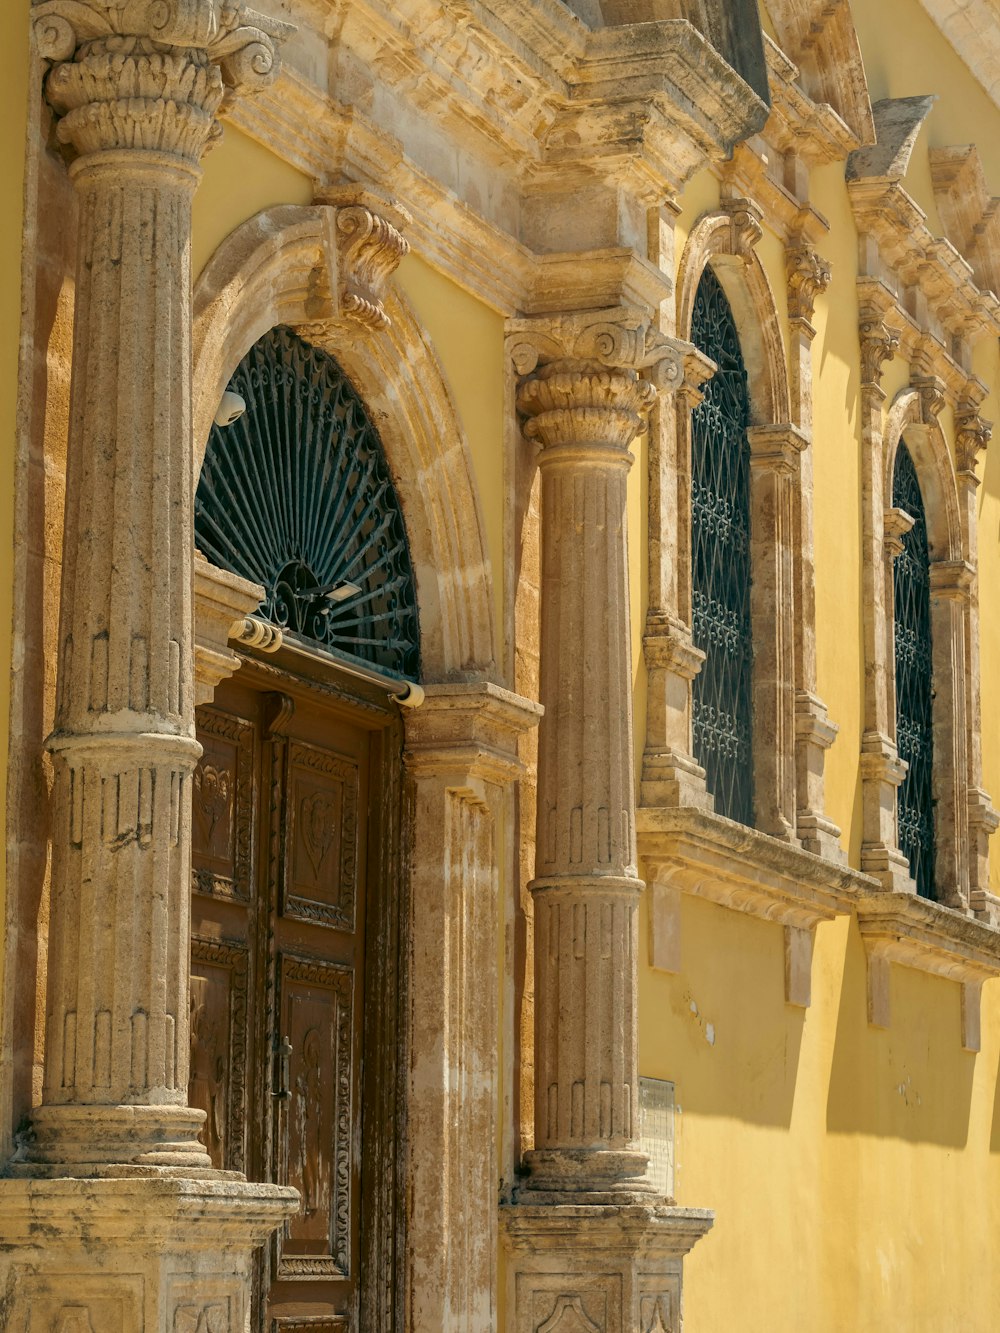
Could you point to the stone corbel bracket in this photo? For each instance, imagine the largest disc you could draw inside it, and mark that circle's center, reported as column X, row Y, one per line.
column 222, row 602
column 690, row 851
column 367, row 234
column 902, row 928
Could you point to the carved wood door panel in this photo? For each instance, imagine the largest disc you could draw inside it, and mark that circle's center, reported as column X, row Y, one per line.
column 281, row 832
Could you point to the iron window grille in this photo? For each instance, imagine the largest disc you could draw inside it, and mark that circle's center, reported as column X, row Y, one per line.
column 914, row 679
column 296, row 495
column 722, row 702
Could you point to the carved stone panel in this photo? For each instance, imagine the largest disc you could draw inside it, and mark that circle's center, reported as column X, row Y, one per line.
column 568, row 1302
column 316, row 1008
column 215, row 1317
column 219, row 1027
column 98, row 1304
column 321, row 837
column 222, row 807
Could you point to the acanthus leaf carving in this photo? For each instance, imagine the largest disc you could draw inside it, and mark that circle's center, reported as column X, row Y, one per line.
column 972, row 435
column 152, row 74
column 808, row 275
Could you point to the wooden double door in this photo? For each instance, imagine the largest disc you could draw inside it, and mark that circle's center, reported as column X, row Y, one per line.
column 293, row 832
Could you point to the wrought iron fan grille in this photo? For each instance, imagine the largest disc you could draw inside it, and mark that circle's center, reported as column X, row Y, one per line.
column 720, row 560
column 911, row 583
column 296, row 495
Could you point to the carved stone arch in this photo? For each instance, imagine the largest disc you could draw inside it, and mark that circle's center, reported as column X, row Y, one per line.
column 908, row 419
column 822, row 40
column 283, row 266
column 726, row 240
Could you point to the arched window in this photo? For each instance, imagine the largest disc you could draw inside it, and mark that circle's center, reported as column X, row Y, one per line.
column 296, row 495
column 722, row 701
column 914, row 678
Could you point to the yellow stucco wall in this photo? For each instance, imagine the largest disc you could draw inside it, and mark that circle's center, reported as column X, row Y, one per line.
column 14, row 67
column 855, row 1171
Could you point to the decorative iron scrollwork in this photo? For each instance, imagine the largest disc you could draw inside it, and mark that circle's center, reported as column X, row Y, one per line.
column 914, row 679
column 296, row 495
column 720, row 560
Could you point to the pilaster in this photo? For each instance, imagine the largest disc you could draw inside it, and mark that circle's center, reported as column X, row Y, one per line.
column 972, row 435
column 670, row 773
column 460, row 760
column 136, row 91
column 808, row 275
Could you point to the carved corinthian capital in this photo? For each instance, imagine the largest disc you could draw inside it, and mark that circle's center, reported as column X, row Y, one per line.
column 808, row 275
column 580, row 380
column 972, row 435
column 878, row 345
column 151, row 74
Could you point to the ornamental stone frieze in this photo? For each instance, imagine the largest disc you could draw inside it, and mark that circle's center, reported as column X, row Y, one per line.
column 137, row 88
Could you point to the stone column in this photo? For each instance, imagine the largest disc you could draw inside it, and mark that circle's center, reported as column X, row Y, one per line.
column 139, row 108
column 582, row 400
column 136, row 90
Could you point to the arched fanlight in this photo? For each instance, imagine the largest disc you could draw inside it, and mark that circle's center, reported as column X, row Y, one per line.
column 296, row 495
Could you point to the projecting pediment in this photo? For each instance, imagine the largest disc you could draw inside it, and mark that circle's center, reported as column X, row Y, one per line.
column 822, row 40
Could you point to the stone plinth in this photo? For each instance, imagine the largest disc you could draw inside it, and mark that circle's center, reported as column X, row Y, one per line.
column 120, row 1256
column 598, row 1270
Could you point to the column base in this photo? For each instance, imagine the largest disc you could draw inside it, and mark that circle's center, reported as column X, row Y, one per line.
column 586, row 1175
column 162, row 1255
column 86, row 1141
column 574, row 1269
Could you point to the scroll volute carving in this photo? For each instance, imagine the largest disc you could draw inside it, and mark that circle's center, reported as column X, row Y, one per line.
column 365, row 246
column 745, row 228
column 879, row 343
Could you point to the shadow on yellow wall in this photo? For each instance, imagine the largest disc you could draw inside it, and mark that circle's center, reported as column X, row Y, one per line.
column 913, row 1080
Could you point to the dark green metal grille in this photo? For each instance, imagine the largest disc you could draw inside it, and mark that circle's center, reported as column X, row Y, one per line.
column 296, row 495
column 720, row 560
column 914, row 679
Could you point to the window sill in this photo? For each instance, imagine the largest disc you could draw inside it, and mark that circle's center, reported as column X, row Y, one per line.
column 902, row 928
column 686, row 850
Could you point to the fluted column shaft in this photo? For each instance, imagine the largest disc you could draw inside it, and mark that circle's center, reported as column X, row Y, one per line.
column 139, row 114
column 584, row 414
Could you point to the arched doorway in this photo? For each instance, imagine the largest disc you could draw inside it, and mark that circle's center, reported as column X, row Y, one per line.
column 297, row 899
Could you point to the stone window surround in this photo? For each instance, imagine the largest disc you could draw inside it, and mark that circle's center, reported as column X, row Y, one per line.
column 790, row 868
column 685, row 848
